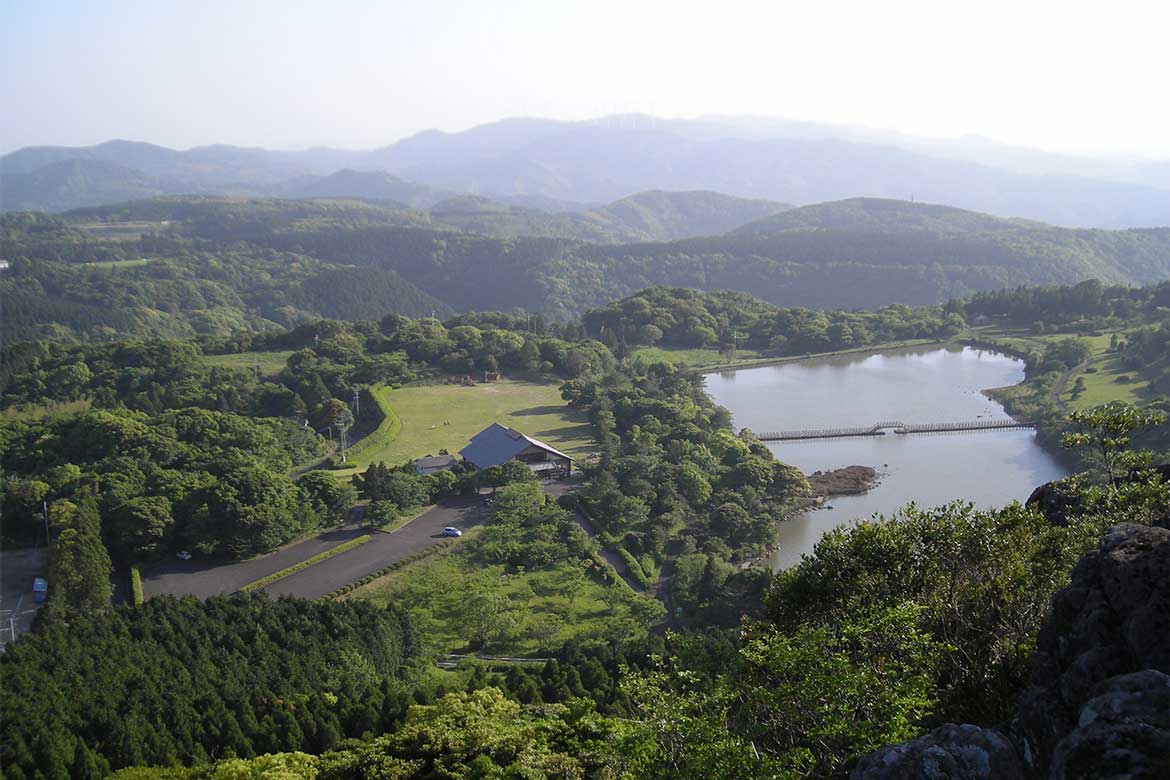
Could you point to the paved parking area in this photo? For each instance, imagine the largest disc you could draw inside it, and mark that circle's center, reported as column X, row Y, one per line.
column 17, row 607
column 204, row 578
column 383, row 550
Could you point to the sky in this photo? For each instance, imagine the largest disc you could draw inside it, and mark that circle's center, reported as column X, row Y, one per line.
column 1071, row 76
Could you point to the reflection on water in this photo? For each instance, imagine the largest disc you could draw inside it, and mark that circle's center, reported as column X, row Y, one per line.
column 989, row 468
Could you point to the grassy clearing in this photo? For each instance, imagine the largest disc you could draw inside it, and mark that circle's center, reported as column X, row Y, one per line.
column 114, row 264
column 279, row 575
column 548, row 607
column 130, row 230
column 1104, row 379
column 39, row 411
column 435, row 417
column 270, row 363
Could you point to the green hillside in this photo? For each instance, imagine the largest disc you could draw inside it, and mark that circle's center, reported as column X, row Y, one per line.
column 219, row 265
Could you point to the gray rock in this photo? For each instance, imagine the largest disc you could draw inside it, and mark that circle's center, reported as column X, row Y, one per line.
column 1122, row 732
column 1113, row 619
column 949, row 752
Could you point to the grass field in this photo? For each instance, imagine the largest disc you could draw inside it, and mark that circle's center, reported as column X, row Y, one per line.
column 120, row 263
column 545, row 608
column 1104, row 379
column 271, row 363
column 47, row 409
column 435, row 417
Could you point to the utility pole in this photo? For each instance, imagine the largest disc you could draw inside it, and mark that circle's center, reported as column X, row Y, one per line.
column 45, row 514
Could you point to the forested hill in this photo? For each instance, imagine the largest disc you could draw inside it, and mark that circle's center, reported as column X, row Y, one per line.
column 646, row 216
column 213, row 265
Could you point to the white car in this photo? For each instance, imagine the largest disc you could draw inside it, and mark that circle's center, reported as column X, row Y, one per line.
column 452, row 531
column 183, row 555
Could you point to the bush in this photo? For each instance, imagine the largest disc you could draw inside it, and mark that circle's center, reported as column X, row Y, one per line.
column 136, row 587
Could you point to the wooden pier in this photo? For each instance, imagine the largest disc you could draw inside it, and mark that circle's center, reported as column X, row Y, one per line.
column 895, row 426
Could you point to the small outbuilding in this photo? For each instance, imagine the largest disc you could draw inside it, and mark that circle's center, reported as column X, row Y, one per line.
column 433, row 463
column 497, row 444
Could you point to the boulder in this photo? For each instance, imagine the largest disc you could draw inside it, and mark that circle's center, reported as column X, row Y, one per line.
column 949, row 752
column 1122, row 732
column 1111, row 621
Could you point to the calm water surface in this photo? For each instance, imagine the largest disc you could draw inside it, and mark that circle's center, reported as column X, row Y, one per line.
column 990, row 468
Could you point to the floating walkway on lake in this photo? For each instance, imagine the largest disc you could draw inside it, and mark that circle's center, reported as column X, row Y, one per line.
column 897, row 426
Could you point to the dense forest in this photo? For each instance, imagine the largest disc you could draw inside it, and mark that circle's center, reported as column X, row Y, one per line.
column 189, row 266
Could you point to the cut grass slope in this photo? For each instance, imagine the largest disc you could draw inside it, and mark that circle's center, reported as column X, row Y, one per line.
column 270, row 363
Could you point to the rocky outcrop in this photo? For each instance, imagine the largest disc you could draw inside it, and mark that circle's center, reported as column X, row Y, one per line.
column 948, row 753
column 1122, row 732
column 1111, row 621
column 1058, row 502
column 1098, row 704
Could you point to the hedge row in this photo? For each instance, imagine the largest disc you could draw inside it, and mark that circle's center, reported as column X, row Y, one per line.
column 418, row 556
column 387, row 430
column 136, row 587
column 279, row 575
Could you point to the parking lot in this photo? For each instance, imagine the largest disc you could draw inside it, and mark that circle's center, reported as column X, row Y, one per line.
column 17, row 606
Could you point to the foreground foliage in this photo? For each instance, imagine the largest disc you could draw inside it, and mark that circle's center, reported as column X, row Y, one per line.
column 185, row 681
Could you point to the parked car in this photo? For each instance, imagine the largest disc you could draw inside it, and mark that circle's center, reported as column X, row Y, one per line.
column 183, row 555
column 451, row 531
column 40, row 589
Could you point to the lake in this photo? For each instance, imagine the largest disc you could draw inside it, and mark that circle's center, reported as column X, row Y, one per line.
column 989, row 468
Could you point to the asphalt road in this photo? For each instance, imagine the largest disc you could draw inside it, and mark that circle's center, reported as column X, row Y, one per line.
column 206, row 577
column 17, row 607
column 383, row 550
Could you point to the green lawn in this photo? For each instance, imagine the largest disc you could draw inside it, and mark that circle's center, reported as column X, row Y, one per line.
column 435, row 417
column 1101, row 373
column 271, row 363
column 47, row 409
column 120, row 263
column 544, row 608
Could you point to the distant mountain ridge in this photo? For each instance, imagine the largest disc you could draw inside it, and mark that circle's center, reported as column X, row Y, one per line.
column 565, row 166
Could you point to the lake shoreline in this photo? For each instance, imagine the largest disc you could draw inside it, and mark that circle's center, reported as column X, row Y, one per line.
column 948, row 382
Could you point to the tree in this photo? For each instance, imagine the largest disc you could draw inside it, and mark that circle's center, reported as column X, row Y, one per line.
column 488, row 616
column 333, row 414
column 1103, row 435
column 138, row 527
column 79, row 565
column 330, row 498
column 380, row 514
column 871, row 677
column 692, row 484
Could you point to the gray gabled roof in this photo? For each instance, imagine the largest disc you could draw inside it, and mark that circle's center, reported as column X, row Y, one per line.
column 435, row 461
column 498, row 444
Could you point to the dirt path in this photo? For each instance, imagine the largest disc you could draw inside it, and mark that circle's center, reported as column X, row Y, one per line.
column 1058, row 389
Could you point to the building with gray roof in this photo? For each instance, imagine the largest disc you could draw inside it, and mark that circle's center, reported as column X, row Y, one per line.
column 497, row 444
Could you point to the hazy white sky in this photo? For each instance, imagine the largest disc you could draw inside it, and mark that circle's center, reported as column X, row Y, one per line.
column 1069, row 76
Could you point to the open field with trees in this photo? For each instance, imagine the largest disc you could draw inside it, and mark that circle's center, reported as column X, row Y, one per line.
column 451, row 596
column 436, row 417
